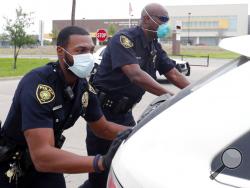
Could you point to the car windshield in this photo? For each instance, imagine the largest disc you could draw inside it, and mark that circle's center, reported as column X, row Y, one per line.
column 164, row 102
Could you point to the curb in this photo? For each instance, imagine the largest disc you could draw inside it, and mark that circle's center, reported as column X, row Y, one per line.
column 10, row 78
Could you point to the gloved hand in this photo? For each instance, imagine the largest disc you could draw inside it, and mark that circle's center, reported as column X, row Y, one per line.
column 107, row 159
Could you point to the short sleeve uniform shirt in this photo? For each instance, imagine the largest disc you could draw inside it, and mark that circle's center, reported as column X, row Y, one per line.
column 130, row 46
column 40, row 101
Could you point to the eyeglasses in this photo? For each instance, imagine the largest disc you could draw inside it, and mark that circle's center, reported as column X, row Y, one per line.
column 163, row 19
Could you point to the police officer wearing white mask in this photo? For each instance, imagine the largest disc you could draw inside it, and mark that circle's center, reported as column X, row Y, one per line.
column 47, row 101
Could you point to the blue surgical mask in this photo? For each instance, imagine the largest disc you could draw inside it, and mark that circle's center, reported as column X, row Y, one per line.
column 82, row 65
column 162, row 31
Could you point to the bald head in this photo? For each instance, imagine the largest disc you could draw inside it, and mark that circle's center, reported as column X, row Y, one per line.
column 153, row 9
column 152, row 16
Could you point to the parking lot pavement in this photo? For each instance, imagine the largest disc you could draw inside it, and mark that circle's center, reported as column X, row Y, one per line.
column 75, row 136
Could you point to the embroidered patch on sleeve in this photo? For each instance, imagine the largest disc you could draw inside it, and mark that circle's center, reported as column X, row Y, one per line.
column 126, row 42
column 44, row 94
column 85, row 99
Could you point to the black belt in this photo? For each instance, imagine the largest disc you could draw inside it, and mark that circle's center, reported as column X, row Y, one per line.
column 117, row 105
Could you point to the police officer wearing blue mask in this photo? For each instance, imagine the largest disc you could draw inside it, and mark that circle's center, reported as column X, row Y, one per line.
column 47, row 101
column 128, row 69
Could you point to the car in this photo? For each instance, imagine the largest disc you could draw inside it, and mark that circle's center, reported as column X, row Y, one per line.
column 207, row 146
column 181, row 66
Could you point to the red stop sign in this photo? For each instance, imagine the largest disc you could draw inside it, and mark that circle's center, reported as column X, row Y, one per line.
column 101, row 35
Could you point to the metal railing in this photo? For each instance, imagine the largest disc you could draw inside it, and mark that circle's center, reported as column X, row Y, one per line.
column 206, row 64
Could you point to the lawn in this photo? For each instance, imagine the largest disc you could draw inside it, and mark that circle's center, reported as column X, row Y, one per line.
column 23, row 66
column 203, row 51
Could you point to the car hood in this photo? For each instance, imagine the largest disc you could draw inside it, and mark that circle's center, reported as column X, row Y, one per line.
column 175, row 149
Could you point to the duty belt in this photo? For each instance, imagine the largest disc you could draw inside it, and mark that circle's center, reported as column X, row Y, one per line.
column 117, row 105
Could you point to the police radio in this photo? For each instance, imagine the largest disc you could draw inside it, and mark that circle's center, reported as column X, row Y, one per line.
column 69, row 93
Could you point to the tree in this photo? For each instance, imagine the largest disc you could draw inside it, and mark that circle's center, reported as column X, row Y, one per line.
column 3, row 37
column 111, row 29
column 4, row 40
column 15, row 30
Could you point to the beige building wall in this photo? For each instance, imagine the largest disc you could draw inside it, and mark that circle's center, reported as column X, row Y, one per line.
column 205, row 25
column 210, row 22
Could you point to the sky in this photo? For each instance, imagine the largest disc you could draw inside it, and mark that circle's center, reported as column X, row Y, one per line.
column 48, row 10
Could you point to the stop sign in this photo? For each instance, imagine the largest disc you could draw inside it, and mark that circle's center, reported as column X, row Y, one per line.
column 101, row 35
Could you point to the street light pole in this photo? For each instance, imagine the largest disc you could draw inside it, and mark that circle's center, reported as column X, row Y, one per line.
column 73, row 12
column 189, row 14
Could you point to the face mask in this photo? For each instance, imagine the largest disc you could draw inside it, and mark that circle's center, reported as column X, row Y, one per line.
column 82, row 65
column 162, row 31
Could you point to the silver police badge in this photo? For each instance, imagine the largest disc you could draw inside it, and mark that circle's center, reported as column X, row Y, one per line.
column 85, row 99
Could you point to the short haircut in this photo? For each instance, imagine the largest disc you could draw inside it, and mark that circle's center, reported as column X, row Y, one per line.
column 65, row 33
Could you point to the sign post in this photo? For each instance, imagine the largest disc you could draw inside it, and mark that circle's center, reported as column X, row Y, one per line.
column 101, row 35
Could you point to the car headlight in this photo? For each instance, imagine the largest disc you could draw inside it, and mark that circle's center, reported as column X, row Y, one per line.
column 112, row 180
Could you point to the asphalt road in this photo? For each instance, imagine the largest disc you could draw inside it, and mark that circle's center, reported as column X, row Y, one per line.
column 75, row 141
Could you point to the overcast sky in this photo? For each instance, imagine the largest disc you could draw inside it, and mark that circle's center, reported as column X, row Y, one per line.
column 49, row 10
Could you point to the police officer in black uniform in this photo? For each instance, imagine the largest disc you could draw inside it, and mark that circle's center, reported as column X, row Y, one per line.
column 128, row 69
column 47, row 101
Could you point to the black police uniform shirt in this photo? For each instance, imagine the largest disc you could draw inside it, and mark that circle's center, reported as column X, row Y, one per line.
column 130, row 46
column 40, row 102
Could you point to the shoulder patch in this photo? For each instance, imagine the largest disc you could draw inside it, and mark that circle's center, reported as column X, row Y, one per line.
column 85, row 99
column 126, row 42
column 44, row 94
column 91, row 89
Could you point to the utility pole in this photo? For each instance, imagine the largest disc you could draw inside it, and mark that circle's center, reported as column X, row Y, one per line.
column 73, row 12
column 189, row 14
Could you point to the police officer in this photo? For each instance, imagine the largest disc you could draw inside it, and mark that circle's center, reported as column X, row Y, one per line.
column 128, row 69
column 47, row 101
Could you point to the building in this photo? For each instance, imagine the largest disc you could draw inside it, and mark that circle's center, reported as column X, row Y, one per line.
column 93, row 25
column 208, row 24
column 199, row 24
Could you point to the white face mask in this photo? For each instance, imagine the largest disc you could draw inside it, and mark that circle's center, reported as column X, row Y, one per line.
column 82, row 65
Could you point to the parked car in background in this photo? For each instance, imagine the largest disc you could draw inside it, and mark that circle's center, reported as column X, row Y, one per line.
column 182, row 66
column 207, row 146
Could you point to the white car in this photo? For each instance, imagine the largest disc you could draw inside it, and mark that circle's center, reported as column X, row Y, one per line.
column 207, row 147
column 182, row 66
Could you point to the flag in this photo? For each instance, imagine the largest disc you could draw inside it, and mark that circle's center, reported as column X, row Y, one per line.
column 130, row 9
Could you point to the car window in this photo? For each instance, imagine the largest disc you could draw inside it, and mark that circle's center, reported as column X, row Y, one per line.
column 233, row 169
column 242, row 146
column 155, row 108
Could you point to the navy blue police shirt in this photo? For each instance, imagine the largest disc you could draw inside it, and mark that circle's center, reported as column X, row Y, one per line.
column 130, row 46
column 41, row 102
